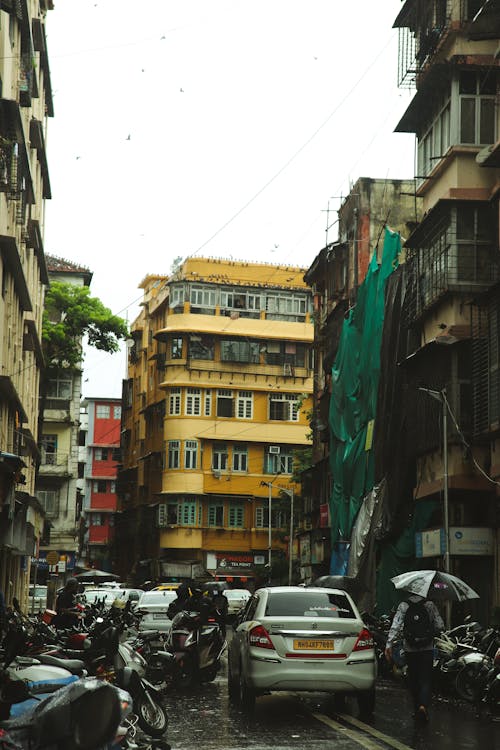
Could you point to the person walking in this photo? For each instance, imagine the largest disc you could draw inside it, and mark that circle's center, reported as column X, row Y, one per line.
column 417, row 620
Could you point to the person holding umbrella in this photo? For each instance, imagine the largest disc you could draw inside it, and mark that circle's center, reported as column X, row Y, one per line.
column 418, row 620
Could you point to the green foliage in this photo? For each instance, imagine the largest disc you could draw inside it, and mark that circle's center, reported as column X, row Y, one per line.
column 70, row 314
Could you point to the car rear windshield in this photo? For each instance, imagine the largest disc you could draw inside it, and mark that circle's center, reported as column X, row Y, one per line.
column 308, row 604
column 158, row 597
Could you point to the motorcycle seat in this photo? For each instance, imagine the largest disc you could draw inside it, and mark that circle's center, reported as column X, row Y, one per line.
column 149, row 635
column 75, row 666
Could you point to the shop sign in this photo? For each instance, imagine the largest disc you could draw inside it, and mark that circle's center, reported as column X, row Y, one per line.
column 468, row 540
column 305, row 549
column 429, row 543
column 234, row 560
column 66, row 559
column 324, row 520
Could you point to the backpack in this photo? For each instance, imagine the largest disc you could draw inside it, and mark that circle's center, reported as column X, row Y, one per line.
column 418, row 630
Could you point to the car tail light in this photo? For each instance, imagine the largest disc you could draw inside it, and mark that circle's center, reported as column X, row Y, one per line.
column 259, row 637
column 364, row 642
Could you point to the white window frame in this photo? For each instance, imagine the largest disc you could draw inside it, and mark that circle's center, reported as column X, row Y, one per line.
column 208, row 403
column 101, row 454
column 117, row 412
column 193, row 402
column 102, row 411
column 191, row 454
column 240, row 457
column 220, row 456
column 244, row 405
column 60, row 388
column 290, row 411
column 174, row 451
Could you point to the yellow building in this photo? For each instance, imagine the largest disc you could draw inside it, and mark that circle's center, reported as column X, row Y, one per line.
column 214, row 411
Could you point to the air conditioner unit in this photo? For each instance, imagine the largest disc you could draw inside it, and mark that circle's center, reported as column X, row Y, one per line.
column 216, row 473
column 274, row 449
column 161, row 518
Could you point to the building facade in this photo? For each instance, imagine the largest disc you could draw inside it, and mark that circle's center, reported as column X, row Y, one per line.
column 57, row 480
column 103, row 417
column 215, row 414
column 25, row 105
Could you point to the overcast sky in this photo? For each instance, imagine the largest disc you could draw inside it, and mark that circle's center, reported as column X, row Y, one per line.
column 219, row 128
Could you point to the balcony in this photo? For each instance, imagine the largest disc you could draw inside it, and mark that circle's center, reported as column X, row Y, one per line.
column 423, row 26
column 54, row 463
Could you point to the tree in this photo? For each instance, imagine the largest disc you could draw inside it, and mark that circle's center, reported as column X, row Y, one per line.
column 70, row 314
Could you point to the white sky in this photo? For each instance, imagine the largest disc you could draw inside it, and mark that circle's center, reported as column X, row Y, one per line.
column 174, row 116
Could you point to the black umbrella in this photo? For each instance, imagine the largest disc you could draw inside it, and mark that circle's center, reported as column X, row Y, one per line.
column 96, row 575
column 344, row 583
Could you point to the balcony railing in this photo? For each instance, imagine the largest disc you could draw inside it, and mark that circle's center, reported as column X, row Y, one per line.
column 54, row 460
column 422, row 27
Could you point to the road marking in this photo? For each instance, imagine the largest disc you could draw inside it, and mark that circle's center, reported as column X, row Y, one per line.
column 351, row 733
column 379, row 735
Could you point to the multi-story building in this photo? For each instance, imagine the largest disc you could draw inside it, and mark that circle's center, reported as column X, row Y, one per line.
column 449, row 49
column 214, row 416
column 25, row 105
column 57, row 480
column 334, row 277
column 103, row 416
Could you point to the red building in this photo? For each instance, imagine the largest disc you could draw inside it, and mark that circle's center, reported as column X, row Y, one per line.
column 102, row 455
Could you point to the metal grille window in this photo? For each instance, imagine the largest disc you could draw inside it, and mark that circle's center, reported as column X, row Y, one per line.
column 190, row 454
column 49, row 499
column 279, row 463
column 173, row 454
column 278, row 518
column 48, row 444
column 187, row 513
column 240, row 457
column 244, row 405
column 236, row 516
column 60, row 388
column 224, row 403
column 193, row 402
column 239, row 351
column 219, row 457
column 174, row 402
column 216, row 515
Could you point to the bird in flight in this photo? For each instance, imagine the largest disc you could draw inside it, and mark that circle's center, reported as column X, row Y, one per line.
column 127, row 138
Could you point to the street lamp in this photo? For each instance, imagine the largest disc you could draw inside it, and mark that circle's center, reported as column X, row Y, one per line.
column 441, row 397
column 290, row 494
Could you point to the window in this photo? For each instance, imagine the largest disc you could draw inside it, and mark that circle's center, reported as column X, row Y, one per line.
column 97, row 519
column 176, row 347
column 244, row 405
column 216, row 515
column 101, row 454
column 117, row 412
column 99, row 485
column 279, row 519
column 477, row 107
column 193, row 402
column 59, row 388
column 190, row 454
column 172, row 513
column 201, row 347
column 240, row 457
column 187, row 513
column 176, row 295
column 224, row 403
column 116, row 455
column 174, row 401
column 219, row 457
column 112, row 487
column 102, row 411
column 49, row 500
column 436, row 139
column 202, row 296
column 236, row 516
column 208, row 403
column 48, row 444
column 278, row 463
column 173, row 454
column 239, row 351
column 283, row 407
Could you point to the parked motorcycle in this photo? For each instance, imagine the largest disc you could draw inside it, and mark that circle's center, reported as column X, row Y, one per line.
column 197, row 647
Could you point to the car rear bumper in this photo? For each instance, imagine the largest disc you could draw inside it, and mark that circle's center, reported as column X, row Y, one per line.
column 277, row 673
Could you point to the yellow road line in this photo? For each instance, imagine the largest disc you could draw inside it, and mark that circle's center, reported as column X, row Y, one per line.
column 351, row 733
column 374, row 732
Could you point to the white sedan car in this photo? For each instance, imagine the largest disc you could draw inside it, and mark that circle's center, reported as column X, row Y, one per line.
column 152, row 607
column 301, row 639
column 236, row 600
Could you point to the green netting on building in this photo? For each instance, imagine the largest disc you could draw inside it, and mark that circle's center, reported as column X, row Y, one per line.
column 355, row 379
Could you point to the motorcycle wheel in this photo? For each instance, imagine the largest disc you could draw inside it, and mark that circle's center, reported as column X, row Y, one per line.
column 153, row 721
column 466, row 682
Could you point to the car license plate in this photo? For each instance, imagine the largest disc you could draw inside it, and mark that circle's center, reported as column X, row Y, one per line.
column 310, row 644
column 158, row 616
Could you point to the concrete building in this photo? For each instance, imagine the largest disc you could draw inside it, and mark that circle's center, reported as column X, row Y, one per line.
column 449, row 49
column 57, row 480
column 25, row 105
column 102, row 447
column 334, row 278
column 214, row 416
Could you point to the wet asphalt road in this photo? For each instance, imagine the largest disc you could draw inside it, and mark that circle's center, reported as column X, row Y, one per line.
column 204, row 718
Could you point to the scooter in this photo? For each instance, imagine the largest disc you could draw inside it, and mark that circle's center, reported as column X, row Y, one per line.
column 197, row 648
